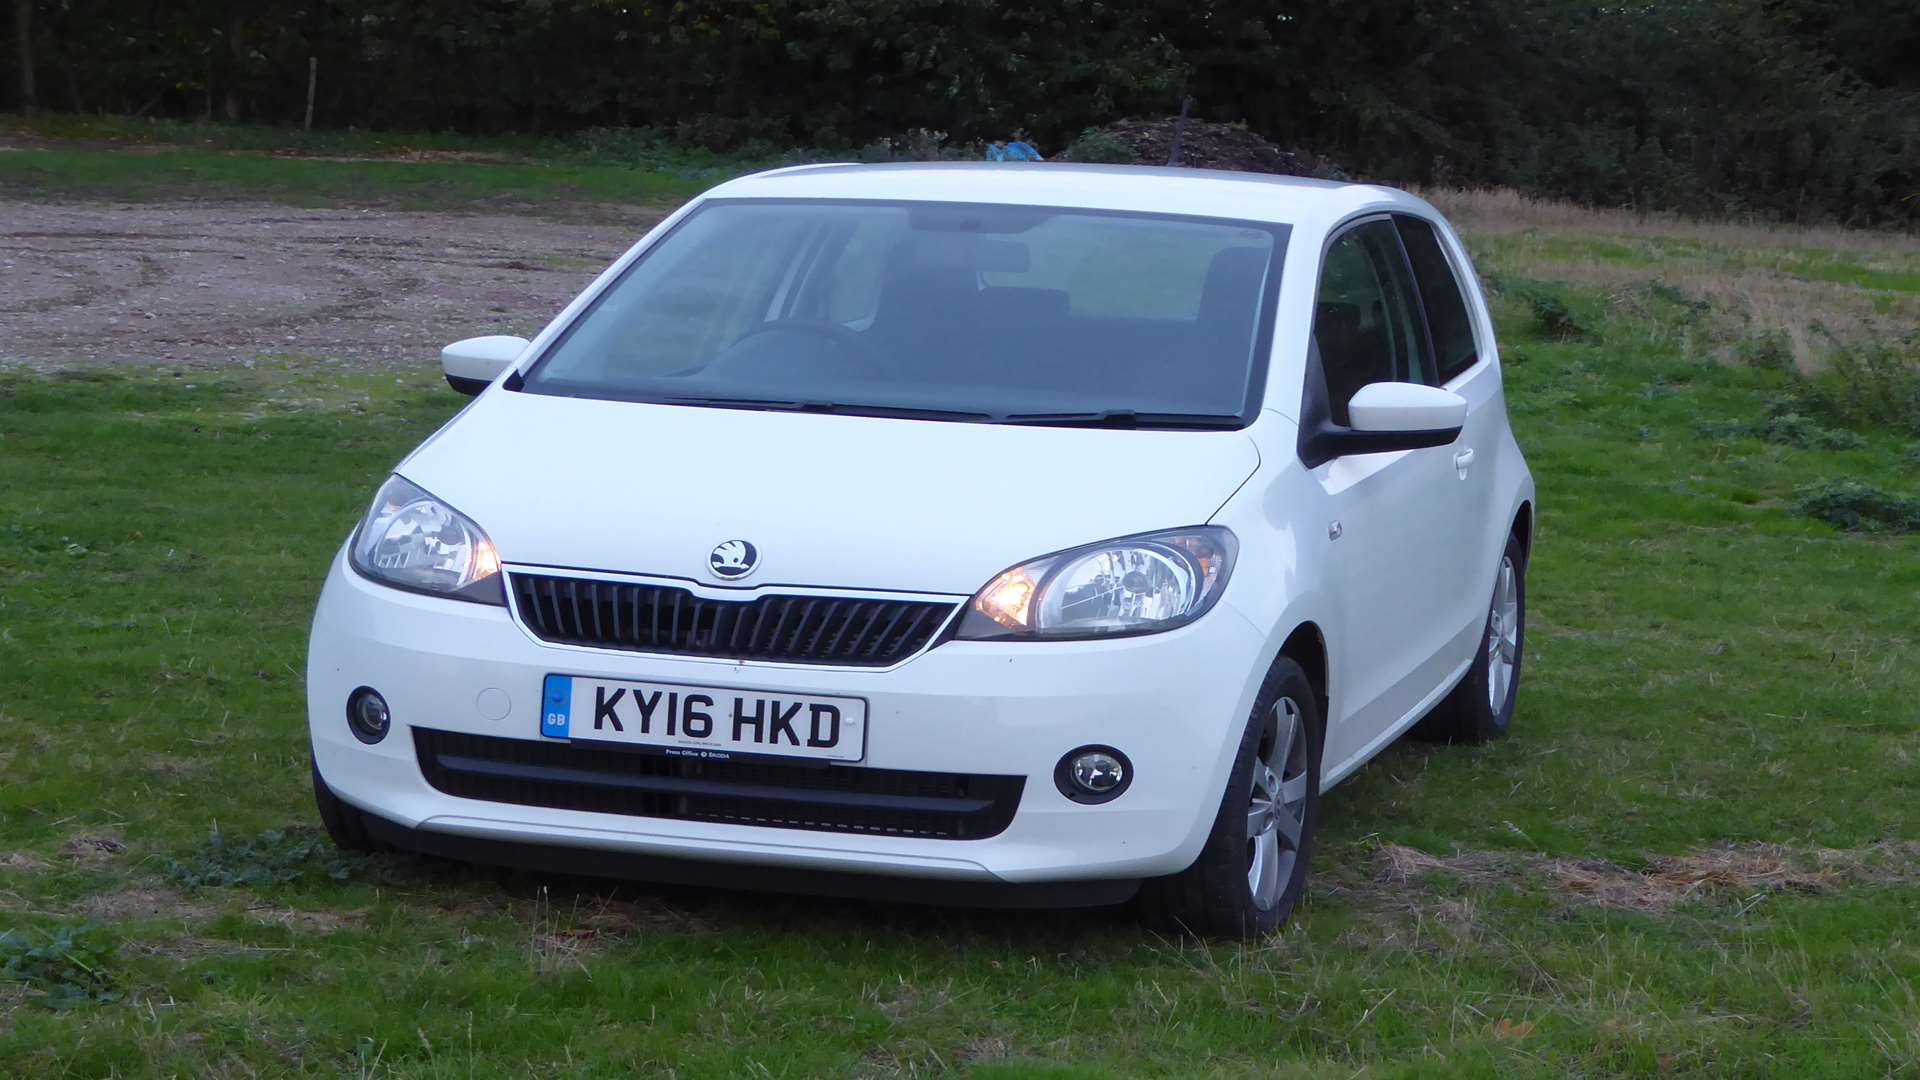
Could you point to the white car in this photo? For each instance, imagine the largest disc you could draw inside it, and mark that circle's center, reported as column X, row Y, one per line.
column 1036, row 534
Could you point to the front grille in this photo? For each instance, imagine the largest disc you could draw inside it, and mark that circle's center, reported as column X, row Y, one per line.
column 854, row 631
column 616, row 780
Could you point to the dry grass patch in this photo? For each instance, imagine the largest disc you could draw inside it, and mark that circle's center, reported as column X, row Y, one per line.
column 1755, row 280
column 310, row 922
column 1811, row 316
column 558, row 939
column 23, row 861
column 92, row 849
column 1738, row 872
column 170, row 766
column 1495, row 211
column 140, row 902
column 12, row 996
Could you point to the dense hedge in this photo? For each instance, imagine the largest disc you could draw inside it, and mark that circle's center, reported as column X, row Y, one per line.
column 1808, row 109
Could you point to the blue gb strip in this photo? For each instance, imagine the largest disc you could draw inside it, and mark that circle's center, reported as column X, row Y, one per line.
column 556, row 705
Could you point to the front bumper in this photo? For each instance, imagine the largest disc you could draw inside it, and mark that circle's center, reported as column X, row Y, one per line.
column 1173, row 702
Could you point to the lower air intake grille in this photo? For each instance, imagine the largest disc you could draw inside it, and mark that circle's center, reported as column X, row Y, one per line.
column 610, row 780
column 853, row 631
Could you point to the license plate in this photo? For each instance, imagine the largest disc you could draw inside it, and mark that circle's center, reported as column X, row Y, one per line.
column 704, row 721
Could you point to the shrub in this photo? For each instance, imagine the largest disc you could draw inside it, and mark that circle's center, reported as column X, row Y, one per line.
column 269, row 858
column 1101, row 147
column 1669, row 294
column 68, row 966
column 920, row 144
column 1553, row 312
column 1856, row 505
column 1785, row 425
column 1771, row 351
column 1869, row 387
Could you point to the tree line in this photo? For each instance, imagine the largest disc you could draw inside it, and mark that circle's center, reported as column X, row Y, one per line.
column 1794, row 109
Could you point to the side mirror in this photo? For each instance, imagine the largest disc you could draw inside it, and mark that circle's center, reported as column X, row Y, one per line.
column 472, row 364
column 1406, row 408
column 1388, row 416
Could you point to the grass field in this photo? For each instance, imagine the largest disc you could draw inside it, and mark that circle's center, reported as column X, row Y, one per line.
column 1699, row 853
column 61, row 156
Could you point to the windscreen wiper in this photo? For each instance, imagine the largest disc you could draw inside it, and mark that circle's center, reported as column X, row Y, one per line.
column 1126, row 418
column 844, row 408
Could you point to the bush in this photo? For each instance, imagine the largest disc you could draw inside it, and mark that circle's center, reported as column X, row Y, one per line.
column 1873, row 387
column 68, row 967
column 1855, row 505
column 920, row 144
column 1100, row 147
column 1771, row 351
column 1553, row 311
column 1670, row 294
column 1784, row 425
column 269, row 858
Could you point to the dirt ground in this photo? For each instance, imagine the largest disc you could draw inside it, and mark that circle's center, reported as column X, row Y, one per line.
column 198, row 283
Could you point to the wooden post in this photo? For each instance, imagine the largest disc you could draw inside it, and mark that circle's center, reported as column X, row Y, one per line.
column 313, row 73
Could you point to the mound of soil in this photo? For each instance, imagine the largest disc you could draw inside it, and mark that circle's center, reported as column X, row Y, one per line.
column 1205, row 145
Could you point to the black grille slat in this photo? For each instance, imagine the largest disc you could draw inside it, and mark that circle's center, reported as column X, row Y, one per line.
column 612, row 780
column 800, row 626
column 638, row 617
column 553, row 599
column 877, row 640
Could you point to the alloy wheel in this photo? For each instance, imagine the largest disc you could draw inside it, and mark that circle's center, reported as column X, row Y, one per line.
column 1276, row 813
column 1503, row 636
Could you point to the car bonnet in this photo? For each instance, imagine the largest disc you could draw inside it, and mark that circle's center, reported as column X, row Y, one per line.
column 830, row 501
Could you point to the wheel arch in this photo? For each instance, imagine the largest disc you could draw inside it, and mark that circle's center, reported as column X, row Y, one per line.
column 1523, row 528
column 1307, row 646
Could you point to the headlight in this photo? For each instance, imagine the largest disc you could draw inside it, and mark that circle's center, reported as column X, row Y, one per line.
column 1133, row 585
column 414, row 541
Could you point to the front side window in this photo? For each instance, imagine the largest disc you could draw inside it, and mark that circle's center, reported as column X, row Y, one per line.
column 1366, row 318
column 1454, row 350
column 985, row 312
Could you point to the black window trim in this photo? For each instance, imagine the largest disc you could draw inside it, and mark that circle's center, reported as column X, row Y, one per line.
column 1453, row 268
column 1316, row 414
column 1260, row 356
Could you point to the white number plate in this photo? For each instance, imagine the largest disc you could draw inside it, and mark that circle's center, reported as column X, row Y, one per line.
column 704, row 721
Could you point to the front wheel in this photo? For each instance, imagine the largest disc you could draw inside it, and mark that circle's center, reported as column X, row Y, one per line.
column 1480, row 709
column 1253, row 868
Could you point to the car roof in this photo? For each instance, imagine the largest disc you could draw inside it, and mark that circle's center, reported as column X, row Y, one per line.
column 1291, row 200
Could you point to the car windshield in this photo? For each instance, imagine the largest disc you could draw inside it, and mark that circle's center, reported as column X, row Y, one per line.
column 938, row 310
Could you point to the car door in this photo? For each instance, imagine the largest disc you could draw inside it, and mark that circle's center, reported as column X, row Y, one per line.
column 1398, row 521
column 1463, row 363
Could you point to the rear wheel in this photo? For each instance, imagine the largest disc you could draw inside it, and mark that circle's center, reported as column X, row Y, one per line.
column 346, row 824
column 1480, row 709
column 1253, row 868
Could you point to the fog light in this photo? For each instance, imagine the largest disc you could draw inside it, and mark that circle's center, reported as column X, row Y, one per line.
column 1093, row 774
column 367, row 715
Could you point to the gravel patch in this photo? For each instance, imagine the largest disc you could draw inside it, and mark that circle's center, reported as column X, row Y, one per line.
column 92, row 284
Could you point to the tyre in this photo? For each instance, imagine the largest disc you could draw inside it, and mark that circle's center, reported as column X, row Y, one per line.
column 1480, row 709
column 346, row 824
column 1253, row 868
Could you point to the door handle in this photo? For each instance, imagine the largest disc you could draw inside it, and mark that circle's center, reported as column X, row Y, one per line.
column 1463, row 460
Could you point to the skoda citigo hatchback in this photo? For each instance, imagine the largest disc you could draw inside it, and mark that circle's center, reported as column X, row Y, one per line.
column 1064, row 530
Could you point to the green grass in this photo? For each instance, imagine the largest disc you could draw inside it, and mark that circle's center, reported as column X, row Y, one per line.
column 61, row 156
column 1707, row 667
column 304, row 181
column 122, row 131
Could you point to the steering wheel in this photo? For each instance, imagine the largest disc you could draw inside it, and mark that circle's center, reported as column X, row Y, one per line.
column 861, row 352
